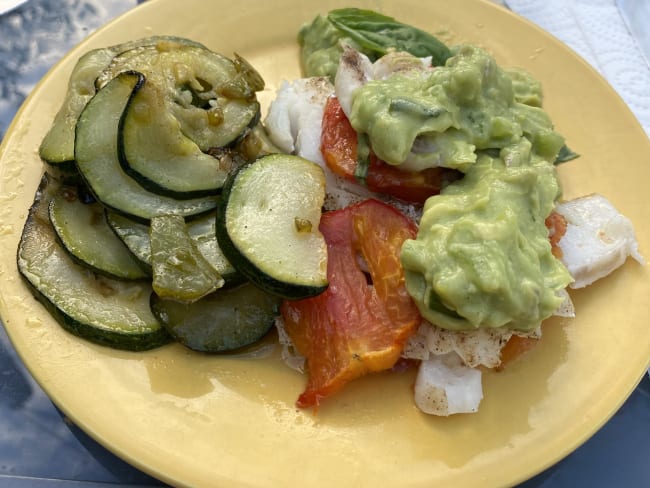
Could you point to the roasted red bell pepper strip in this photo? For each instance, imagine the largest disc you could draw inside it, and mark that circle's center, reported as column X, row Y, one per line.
column 339, row 142
column 556, row 224
column 361, row 322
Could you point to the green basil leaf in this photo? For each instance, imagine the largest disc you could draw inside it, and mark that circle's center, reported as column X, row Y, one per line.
column 377, row 33
column 565, row 154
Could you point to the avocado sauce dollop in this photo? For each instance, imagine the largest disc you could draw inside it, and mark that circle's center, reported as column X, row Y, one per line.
column 482, row 256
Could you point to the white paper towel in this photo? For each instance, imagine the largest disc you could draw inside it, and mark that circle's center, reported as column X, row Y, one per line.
column 7, row 5
column 635, row 14
column 596, row 31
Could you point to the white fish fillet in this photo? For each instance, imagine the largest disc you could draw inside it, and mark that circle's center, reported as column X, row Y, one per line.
column 445, row 386
column 294, row 120
column 480, row 347
column 598, row 239
column 354, row 71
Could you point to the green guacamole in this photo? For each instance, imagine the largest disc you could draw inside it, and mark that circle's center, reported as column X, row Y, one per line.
column 444, row 117
column 373, row 34
column 482, row 257
column 320, row 49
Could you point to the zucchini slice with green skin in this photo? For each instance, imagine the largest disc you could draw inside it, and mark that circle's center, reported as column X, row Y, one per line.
column 134, row 235
column 211, row 97
column 57, row 147
column 223, row 321
column 268, row 226
column 256, row 143
column 180, row 271
column 110, row 312
column 153, row 150
column 201, row 230
column 97, row 160
column 83, row 231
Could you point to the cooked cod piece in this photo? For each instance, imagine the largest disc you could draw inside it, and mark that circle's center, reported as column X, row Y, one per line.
column 449, row 380
column 355, row 70
column 446, row 386
column 598, row 239
column 294, row 120
column 479, row 347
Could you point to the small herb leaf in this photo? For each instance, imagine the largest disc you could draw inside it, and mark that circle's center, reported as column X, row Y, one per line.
column 378, row 33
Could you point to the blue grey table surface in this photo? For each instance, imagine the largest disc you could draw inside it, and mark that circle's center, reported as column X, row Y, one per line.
column 40, row 447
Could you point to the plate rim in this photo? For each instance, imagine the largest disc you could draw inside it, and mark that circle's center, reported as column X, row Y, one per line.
column 74, row 52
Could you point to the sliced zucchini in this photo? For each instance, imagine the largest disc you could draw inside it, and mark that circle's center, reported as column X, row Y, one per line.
column 85, row 234
column 134, row 235
column 211, row 97
column 222, row 321
column 57, row 148
column 153, row 150
column 256, row 143
column 179, row 270
column 268, row 226
column 110, row 312
column 201, row 231
column 97, row 160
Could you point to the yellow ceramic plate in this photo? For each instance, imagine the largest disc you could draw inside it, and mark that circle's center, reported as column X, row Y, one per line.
column 194, row 420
